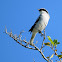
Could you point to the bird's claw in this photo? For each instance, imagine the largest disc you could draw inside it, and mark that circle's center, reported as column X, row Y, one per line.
column 42, row 34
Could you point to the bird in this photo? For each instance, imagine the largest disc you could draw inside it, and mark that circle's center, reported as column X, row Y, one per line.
column 40, row 23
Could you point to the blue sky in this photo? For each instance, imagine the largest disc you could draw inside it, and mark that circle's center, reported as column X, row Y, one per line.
column 18, row 15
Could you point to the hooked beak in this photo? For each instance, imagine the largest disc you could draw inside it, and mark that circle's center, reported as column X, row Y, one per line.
column 38, row 9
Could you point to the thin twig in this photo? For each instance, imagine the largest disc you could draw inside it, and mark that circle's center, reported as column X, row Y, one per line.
column 43, row 40
column 33, row 60
column 19, row 41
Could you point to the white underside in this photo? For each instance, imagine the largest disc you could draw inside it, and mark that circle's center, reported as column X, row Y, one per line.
column 40, row 25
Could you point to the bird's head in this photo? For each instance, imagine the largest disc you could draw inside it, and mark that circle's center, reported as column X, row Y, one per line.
column 42, row 10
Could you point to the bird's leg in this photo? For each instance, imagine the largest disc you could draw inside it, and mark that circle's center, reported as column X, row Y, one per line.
column 41, row 33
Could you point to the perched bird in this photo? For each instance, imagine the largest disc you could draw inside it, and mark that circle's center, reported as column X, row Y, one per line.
column 40, row 23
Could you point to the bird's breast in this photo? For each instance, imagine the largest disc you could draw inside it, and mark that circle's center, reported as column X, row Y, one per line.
column 42, row 23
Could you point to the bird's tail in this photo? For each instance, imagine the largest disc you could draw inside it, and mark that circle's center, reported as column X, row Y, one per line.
column 32, row 38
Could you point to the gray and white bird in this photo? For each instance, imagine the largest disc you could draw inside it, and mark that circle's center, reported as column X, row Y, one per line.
column 40, row 23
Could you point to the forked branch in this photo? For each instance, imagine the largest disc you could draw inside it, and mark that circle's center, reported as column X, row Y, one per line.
column 26, row 44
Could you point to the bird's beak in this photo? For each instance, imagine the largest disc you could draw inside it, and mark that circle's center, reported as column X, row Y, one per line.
column 38, row 9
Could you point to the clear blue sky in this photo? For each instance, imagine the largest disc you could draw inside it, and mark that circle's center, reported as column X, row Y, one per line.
column 18, row 15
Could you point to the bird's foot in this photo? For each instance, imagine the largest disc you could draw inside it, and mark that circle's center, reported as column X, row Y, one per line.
column 41, row 33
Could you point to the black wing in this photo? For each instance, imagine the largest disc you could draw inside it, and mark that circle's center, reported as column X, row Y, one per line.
column 34, row 24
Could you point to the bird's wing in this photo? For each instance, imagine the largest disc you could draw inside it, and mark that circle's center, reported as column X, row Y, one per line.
column 34, row 24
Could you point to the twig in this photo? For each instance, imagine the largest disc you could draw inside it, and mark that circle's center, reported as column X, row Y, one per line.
column 33, row 60
column 19, row 41
column 43, row 40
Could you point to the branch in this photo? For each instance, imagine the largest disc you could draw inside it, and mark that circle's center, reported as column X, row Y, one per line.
column 27, row 44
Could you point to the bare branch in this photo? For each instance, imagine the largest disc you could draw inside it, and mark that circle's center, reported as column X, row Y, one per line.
column 27, row 44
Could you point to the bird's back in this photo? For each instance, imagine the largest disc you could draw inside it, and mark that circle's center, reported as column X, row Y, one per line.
column 34, row 24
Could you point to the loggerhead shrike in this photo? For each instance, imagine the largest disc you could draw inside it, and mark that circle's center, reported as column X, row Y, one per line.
column 40, row 23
